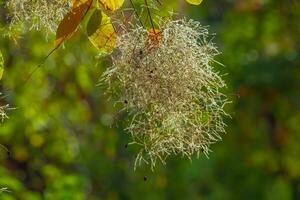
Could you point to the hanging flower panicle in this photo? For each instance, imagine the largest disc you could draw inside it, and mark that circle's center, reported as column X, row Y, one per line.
column 170, row 89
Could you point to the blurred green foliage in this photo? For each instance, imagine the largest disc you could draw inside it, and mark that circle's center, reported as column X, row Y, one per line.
column 1, row 65
column 65, row 139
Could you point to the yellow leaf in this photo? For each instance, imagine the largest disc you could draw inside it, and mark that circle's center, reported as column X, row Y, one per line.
column 194, row 2
column 1, row 65
column 71, row 21
column 111, row 5
column 101, row 32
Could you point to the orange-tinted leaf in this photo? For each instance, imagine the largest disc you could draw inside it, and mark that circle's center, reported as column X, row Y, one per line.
column 103, row 36
column 111, row 5
column 70, row 22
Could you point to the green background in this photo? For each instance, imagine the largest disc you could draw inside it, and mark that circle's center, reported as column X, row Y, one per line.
column 65, row 139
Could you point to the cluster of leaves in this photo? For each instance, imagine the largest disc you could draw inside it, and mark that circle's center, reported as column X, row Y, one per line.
column 100, row 29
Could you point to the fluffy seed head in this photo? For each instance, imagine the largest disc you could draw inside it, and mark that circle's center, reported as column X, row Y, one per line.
column 38, row 14
column 169, row 88
column 3, row 114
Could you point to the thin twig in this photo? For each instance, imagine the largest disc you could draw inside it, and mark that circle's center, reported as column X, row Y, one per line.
column 136, row 13
column 149, row 13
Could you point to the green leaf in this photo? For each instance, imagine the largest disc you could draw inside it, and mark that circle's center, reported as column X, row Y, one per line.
column 94, row 22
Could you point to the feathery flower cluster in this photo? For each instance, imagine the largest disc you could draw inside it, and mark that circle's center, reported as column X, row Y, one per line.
column 4, row 190
column 38, row 14
column 3, row 114
column 169, row 87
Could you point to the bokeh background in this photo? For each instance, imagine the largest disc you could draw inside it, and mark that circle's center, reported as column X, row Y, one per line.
column 65, row 139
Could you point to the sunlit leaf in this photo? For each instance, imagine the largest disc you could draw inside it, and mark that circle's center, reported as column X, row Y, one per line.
column 101, row 32
column 1, row 65
column 111, row 5
column 71, row 21
column 194, row 2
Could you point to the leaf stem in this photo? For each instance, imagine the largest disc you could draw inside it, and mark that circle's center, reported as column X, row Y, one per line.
column 136, row 13
column 149, row 13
